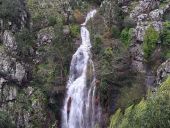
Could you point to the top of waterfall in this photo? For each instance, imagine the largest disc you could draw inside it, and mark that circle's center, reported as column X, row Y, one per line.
column 89, row 15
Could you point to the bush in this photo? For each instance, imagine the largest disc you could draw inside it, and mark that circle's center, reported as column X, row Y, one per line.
column 97, row 45
column 52, row 20
column 25, row 42
column 10, row 9
column 150, row 40
column 115, row 32
column 130, row 95
column 75, row 30
column 5, row 121
column 126, row 36
column 165, row 35
column 153, row 112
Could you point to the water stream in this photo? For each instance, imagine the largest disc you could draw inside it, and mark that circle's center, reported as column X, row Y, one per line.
column 81, row 107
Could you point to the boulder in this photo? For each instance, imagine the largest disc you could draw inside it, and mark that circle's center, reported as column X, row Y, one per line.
column 9, row 42
column 10, row 69
column 45, row 36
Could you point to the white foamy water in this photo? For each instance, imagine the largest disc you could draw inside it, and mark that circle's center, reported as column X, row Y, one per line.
column 80, row 108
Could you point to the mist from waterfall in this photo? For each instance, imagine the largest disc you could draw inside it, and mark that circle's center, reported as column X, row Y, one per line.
column 81, row 107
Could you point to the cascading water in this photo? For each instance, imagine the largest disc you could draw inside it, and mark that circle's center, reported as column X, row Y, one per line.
column 81, row 108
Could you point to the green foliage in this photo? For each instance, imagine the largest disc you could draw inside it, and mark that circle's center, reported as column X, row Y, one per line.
column 75, row 30
column 154, row 112
column 126, row 36
column 52, row 20
column 10, row 9
column 25, row 44
column 5, row 121
column 112, row 69
column 116, row 118
column 165, row 35
column 150, row 40
column 130, row 95
column 94, row 1
column 97, row 47
column 115, row 32
column 165, row 40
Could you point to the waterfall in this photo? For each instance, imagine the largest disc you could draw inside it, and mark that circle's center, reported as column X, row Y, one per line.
column 81, row 108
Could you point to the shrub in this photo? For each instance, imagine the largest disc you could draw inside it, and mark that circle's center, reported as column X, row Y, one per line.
column 154, row 112
column 10, row 9
column 150, row 40
column 52, row 21
column 75, row 30
column 115, row 32
column 5, row 121
column 25, row 42
column 130, row 95
column 97, row 45
column 126, row 36
column 165, row 35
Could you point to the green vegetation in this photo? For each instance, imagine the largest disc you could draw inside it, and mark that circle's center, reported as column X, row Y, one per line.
column 150, row 40
column 165, row 40
column 130, row 95
column 5, row 121
column 126, row 36
column 52, row 20
column 25, row 43
column 115, row 32
column 75, row 30
column 97, row 47
column 154, row 112
column 165, row 35
column 10, row 10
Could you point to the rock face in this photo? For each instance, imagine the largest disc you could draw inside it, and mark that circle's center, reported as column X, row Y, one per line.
column 144, row 6
column 163, row 72
column 147, row 13
column 137, row 58
column 45, row 36
column 9, row 42
column 15, row 94
column 11, row 69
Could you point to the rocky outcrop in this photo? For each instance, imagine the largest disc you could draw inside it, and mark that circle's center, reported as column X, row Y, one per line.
column 147, row 13
column 45, row 36
column 163, row 72
column 145, row 6
column 137, row 58
column 9, row 42
column 10, row 69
